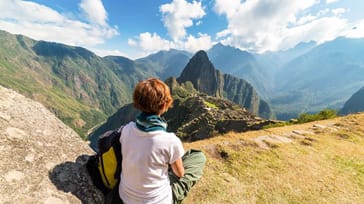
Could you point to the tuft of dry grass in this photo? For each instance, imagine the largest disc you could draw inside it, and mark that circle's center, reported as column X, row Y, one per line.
column 324, row 167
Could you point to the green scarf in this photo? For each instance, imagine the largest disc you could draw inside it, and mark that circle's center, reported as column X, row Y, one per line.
column 149, row 122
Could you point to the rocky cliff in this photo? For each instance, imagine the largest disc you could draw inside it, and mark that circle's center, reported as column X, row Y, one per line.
column 41, row 159
column 203, row 75
column 206, row 79
column 200, row 116
column 355, row 103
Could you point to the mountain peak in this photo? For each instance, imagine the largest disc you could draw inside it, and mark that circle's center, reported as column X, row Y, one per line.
column 206, row 79
column 201, row 55
column 201, row 72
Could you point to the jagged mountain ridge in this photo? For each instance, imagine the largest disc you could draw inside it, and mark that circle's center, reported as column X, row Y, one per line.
column 307, row 78
column 206, row 79
column 241, row 64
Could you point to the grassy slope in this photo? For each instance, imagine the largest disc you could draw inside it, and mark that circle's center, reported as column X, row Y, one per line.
column 326, row 167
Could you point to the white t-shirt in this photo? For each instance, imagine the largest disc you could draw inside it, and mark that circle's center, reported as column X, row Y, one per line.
column 146, row 155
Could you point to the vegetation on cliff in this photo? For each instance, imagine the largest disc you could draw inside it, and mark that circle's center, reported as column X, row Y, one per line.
column 81, row 88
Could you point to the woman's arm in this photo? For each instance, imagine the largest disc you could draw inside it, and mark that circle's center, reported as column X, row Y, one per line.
column 178, row 168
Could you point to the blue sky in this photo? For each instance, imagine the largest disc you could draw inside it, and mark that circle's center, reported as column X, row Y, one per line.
column 134, row 29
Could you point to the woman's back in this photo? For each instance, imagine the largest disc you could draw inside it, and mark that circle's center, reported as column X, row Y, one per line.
column 146, row 156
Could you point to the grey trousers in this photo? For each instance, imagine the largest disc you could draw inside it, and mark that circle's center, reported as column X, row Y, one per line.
column 193, row 163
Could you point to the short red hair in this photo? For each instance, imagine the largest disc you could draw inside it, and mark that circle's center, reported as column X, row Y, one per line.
column 152, row 96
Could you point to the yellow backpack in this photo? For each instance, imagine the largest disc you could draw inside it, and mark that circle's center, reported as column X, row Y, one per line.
column 105, row 167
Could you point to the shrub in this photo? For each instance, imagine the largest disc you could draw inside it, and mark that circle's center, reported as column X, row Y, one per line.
column 322, row 115
column 305, row 118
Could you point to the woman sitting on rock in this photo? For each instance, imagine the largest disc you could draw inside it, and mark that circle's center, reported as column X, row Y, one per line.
column 155, row 167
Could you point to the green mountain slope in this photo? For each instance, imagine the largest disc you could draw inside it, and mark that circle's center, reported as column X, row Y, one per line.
column 127, row 70
column 75, row 84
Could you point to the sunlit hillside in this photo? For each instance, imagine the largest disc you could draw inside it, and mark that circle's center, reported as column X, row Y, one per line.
column 317, row 162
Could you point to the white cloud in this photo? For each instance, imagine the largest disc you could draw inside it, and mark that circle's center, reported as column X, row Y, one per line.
column 338, row 11
column 305, row 19
column 43, row 23
column 261, row 25
column 95, row 11
column 323, row 12
column 193, row 44
column 229, row 9
column 17, row 10
column 150, row 42
column 355, row 30
column 103, row 53
column 179, row 15
column 331, row 1
column 319, row 30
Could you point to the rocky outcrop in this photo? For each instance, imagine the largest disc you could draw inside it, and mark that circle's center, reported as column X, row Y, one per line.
column 41, row 159
column 201, row 116
column 206, row 79
column 354, row 104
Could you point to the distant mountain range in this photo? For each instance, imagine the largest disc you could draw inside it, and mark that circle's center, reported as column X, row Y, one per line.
column 242, row 64
column 323, row 77
column 84, row 89
column 165, row 64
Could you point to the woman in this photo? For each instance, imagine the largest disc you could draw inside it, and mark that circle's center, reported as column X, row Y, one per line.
column 148, row 151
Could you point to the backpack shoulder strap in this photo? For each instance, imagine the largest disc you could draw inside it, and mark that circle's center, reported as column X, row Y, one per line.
column 118, row 154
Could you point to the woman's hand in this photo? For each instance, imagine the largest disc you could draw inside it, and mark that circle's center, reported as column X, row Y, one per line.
column 177, row 168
